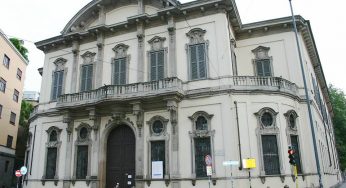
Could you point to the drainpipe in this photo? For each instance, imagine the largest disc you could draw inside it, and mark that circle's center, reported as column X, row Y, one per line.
column 33, row 148
column 239, row 145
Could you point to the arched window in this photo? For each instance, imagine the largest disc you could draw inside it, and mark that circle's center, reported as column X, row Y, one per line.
column 52, row 153
column 202, row 139
column 268, row 142
column 158, row 146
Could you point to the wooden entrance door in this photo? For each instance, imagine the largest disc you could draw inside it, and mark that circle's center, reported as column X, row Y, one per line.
column 120, row 157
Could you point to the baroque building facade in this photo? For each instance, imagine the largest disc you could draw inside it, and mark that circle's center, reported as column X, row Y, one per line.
column 137, row 93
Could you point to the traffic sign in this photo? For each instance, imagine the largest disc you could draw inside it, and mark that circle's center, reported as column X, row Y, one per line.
column 23, row 170
column 17, row 173
column 230, row 163
column 208, row 160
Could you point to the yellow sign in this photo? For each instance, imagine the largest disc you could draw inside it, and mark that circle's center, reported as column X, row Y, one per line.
column 249, row 163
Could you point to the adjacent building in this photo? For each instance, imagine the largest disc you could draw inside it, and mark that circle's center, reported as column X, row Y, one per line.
column 12, row 75
column 32, row 97
column 138, row 93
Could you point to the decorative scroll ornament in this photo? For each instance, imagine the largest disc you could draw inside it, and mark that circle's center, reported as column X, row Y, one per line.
column 196, row 35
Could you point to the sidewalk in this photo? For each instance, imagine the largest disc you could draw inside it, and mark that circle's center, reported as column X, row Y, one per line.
column 342, row 185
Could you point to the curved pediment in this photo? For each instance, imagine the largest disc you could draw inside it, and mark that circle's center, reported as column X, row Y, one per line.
column 109, row 12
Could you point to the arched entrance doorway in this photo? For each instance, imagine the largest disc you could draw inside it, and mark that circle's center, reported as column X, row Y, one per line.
column 120, row 157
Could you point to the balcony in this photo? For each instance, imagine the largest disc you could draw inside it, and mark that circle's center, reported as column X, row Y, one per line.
column 167, row 86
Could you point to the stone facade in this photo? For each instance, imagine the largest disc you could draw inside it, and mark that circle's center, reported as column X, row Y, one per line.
column 245, row 90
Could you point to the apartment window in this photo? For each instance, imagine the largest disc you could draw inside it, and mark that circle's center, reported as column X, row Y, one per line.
column 2, row 85
column 15, row 95
column 6, row 61
column 7, row 164
column 19, row 74
column 119, row 71
column 13, row 118
column 270, row 155
column 157, row 65
column 9, row 141
column 0, row 110
column 87, row 77
column 52, row 153
column 262, row 61
column 58, row 78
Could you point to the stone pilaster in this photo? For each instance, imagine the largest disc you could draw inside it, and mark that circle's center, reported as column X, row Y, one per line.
column 172, row 48
column 141, row 7
column 140, row 59
column 68, row 152
column 95, row 147
column 75, row 52
column 139, row 113
column 99, row 62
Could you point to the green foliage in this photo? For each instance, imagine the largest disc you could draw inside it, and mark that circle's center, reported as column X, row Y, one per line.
column 26, row 109
column 338, row 100
column 18, row 44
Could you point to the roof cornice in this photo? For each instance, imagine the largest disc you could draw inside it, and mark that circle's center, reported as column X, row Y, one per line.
column 13, row 47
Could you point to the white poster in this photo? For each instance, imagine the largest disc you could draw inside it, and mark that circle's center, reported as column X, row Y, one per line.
column 157, row 170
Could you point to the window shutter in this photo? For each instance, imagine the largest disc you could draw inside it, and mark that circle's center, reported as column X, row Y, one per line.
column 89, row 77
column 160, row 65
column 270, row 155
column 122, row 71
column 201, row 61
column 84, row 75
column 60, row 82
column 116, row 72
column 153, row 66
column 55, row 85
column 259, row 68
column 266, row 67
column 193, row 62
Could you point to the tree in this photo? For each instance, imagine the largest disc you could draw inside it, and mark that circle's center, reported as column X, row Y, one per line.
column 25, row 110
column 338, row 100
column 19, row 45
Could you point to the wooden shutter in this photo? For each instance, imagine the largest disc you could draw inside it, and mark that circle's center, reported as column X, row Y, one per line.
column 119, row 71
column 89, row 77
column 153, row 66
column 51, row 163
column 266, row 67
column 82, row 162
column 116, row 72
column 122, row 69
column 158, row 152
column 193, row 62
column 202, row 148
column 160, row 65
column 202, row 71
column 295, row 144
column 60, row 83
column 270, row 155
column 55, row 85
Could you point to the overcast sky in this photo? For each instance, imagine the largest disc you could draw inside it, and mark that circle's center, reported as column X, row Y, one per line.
column 35, row 20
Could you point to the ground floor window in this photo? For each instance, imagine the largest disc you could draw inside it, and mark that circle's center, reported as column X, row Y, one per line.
column 270, row 155
column 158, row 154
column 51, row 162
column 82, row 162
column 202, row 148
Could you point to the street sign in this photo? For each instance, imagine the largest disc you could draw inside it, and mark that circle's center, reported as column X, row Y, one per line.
column 208, row 160
column 209, row 171
column 23, row 170
column 17, row 173
column 230, row 163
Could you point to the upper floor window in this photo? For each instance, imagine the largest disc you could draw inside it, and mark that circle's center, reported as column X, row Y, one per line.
column 15, row 95
column 13, row 118
column 58, row 78
column 19, row 74
column 197, row 54
column 2, row 85
column 9, row 141
column 87, row 71
column 0, row 110
column 262, row 61
column 119, row 65
column 157, row 58
column 6, row 61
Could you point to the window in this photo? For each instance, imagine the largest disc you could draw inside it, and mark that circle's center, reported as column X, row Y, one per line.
column 157, row 65
column 6, row 61
column 157, row 127
column 262, row 61
column 2, row 85
column 202, row 142
column 82, row 162
column 267, row 119
column 0, row 110
column 87, row 77
column 52, row 153
column 158, row 153
column 13, row 118
column 295, row 145
column 19, row 74
column 15, row 95
column 58, row 77
column 119, row 71
column 198, row 61
column 202, row 148
column 9, row 141
column 270, row 155
column 7, row 164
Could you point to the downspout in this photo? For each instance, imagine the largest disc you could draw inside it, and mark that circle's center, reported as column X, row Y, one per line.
column 33, row 149
column 239, row 145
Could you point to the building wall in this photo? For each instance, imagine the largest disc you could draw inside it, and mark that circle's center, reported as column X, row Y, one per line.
column 9, row 105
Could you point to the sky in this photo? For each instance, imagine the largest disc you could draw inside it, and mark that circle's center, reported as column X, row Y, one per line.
column 36, row 20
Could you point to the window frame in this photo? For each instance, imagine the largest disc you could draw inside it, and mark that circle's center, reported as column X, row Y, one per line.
column 16, row 95
column 52, row 144
column 62, row 69
column 7, row 60
column 9, row 142
column 196, row 37
column 3, row 82
column 15, row 117
column 261, row 53
column 84, row 88
column 268, row 130
column 156, row 46
column 19, row 74
column 195, row 134
column 120, row 52
column 82, row 142
column 88, row 60
column 164, row 137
